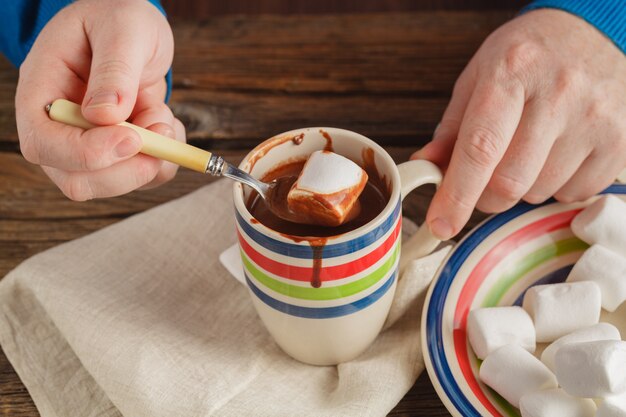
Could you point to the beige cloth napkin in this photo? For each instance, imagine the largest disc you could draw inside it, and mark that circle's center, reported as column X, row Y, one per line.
column 141, row 319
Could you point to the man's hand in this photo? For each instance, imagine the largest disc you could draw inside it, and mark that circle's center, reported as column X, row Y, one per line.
column 112, row 57
column 539, row 111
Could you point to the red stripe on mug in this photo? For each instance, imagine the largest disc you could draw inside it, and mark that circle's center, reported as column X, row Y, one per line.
column 327, row 273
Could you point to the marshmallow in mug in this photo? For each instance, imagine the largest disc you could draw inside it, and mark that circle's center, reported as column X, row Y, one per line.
column 607, row 269
column 599, row 331
column 592, row 369
column 555, row 403
column 613, row 407
column 603, row 222
column 493, row 327
column 514, row 372
column 559, row 309
column 327, row 188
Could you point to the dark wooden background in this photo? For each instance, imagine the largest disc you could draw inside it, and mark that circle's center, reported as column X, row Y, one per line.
column 244, row 71
column 202, row 9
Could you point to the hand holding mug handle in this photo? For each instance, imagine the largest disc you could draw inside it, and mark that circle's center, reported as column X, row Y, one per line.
column 414, row 174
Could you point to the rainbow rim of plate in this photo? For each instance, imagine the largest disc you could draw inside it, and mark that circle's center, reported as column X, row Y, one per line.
column 445, row 379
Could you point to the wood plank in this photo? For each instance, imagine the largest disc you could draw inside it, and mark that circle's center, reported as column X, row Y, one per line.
column 392, row 121
column 15, row 400
column 387, row 76
column 194, row 9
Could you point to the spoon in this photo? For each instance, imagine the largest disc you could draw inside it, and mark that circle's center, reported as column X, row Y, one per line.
column 273, row 193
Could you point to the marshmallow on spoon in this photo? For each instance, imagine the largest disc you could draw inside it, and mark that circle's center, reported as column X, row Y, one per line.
column 555, row 403
column 603, row 222
column 327, row 188
column 607, row 269
column 559, row 309
column 491, row 328
column 600, row 331
column 612, row 407
column 592, row 369
column 512, row 372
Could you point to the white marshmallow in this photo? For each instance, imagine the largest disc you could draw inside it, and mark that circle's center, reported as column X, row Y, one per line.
column 612, row 407
column 559, row 309
column 328, row 173
column 513, row 372
column 327, row 189
column 600, row 331
column 603, row 222
column 555, row 403
column 592, row 369
column 607, row 269
column 493, row 327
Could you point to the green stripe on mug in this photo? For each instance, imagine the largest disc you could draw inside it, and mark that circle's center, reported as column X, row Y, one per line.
column 324, row 293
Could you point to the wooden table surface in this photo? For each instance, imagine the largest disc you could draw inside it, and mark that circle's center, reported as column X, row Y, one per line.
column 239, row 80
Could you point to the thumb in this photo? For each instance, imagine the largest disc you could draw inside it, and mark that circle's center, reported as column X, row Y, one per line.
column 119, row 57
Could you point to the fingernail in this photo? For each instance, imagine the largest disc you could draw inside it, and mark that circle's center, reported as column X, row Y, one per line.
column 127, row 147
column 104, row 99
column 441, row 229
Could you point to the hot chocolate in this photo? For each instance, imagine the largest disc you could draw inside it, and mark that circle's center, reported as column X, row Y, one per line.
column 372, row 201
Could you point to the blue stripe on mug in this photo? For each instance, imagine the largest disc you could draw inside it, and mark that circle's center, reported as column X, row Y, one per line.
column 330, row 251
column 323, row 312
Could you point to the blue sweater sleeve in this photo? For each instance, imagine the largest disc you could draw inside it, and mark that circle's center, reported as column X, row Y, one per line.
column 22, row 20
column 608, row 16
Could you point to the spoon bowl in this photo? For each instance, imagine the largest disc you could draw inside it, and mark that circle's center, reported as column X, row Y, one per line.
column 274, row 194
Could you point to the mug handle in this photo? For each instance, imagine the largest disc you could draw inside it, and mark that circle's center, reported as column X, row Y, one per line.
column 414, row 174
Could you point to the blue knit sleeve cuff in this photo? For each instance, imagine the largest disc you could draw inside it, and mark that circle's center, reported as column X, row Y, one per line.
column 20, row 24
column 168, row 76
column 608, row 16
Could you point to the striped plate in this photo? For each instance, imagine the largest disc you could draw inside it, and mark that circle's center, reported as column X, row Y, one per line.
column 493, row 265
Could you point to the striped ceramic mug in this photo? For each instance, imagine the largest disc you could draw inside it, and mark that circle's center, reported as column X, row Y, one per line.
column 337, row 321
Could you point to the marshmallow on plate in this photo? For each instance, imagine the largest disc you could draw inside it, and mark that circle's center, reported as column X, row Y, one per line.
column 607, row 269
column 555, row 403
column 599, row 331
column 603, row 222
column 327, row 188
column 512, row 372
column 612, row 407
column 559, row 309
column 493, row 327
column 592, row 369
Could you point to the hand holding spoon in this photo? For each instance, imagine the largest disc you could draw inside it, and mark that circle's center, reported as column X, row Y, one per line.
column 159, row 146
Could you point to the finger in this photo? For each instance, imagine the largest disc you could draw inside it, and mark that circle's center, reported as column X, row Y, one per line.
column 168, row 170
column 439, row 149
column 119, row 179
column 73, row 149
column 150, row 111
column 152, row 96
column 157, row 116
column 563, row 161
column 121, row 54
column 522, row 162
column 596, row 173
column 491, row 118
